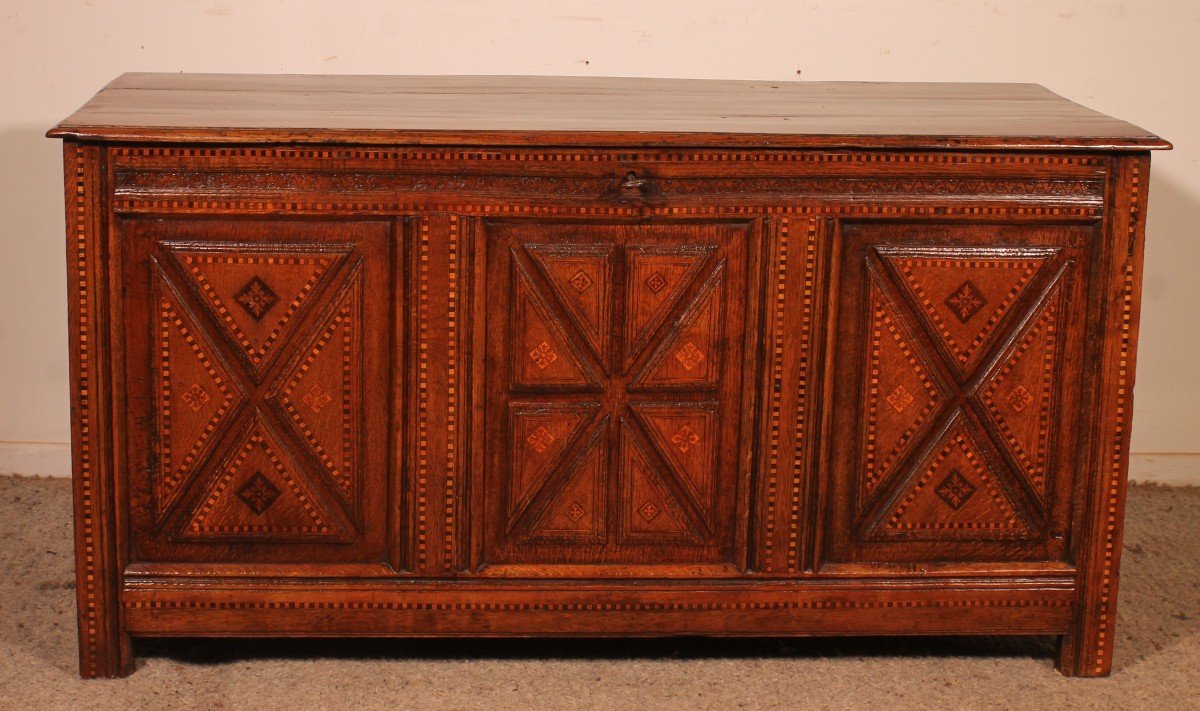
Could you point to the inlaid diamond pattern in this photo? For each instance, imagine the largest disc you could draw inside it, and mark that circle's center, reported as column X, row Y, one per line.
column 541, row 439
column 966, row 301
column 1020, row 398
column 256, row 298
column 195, row 397
column 955, row 490
column 689, row 356
column 316, row 398
column 900, row 399
column 543, row 355
column 258, row 493
column 582, row 282
column 685, row 439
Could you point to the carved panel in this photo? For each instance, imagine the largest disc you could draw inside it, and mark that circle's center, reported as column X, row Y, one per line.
column 259, row 492
column 632, row 461
column 958, row 494
column 322, row 392
column 259, row 353
column 960, row 355
column 963, row 298
column 255, row 294
column 544, row 357
column 196, row 398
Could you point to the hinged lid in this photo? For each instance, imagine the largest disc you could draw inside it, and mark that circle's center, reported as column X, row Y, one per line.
column 587, row 111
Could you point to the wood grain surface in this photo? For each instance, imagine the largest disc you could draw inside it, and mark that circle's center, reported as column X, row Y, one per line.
column 505, row 110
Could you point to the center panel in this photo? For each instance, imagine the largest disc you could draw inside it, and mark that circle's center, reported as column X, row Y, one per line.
column 614, row 400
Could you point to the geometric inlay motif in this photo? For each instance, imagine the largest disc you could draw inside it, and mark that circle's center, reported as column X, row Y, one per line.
column 544, row 352
column 935, row 316
column 188, row 419
column 569, row 508
column 1019, row 398
column 689, row 356
column 657, row 277
column 540, row 439
column 965, row 301
column 195, row 397
column 257, row 298
column 655, row 514
column 897, row 368
column 649, row 511
column 543, row 355
column 582, row 282
column 581, row 277
column 317, row 398
column 955, row 495
column 599, row 397
column 686, row 436
column 900, row 399
column 258, row 493
column 540, row 449
column 685, row 439
column 955, row 489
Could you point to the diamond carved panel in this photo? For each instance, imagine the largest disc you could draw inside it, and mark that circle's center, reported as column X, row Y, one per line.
column 961, row 351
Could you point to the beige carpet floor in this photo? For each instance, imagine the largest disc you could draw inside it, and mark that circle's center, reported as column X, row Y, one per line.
column 1157, row 662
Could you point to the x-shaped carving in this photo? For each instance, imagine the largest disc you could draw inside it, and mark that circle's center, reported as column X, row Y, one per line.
column 956, row 396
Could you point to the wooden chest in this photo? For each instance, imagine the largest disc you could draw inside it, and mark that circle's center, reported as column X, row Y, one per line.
column 548, row 356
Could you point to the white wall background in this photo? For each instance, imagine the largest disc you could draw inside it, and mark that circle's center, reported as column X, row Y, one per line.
column 1137, row 60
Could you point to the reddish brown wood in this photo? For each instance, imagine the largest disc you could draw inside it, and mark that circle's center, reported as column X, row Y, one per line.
column 573, row 111
column 764, row 387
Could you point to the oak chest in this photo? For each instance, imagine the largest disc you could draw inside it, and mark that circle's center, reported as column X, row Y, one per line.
column 481, row 356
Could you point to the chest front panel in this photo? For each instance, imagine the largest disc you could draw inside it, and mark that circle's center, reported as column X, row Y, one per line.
column 251, row 344
column 614, row 409
column 957, row 391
